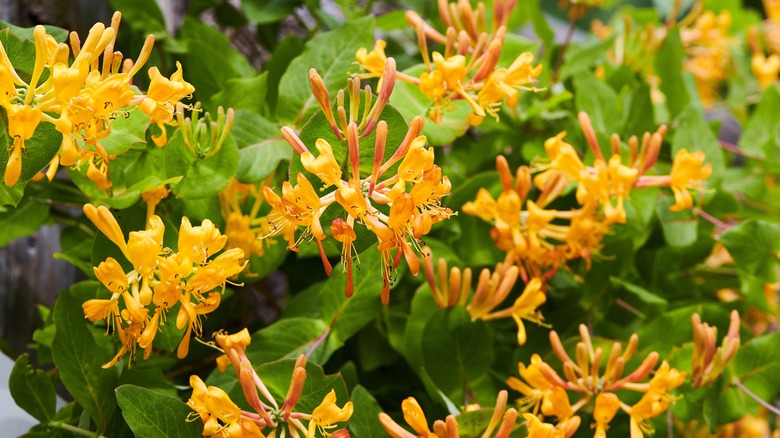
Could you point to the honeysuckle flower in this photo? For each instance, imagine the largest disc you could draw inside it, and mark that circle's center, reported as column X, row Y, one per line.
column 327, row 414
column 655, row 401
column 372, row 62
column 282, row 419
column 708, row 46
column 710, row 361
column 164, row 93
column 410, row 198
column 688, row 171
column 189, row 276
column 466, row 69
column 22, row 122
column 542, row 387
column 221, row 417
column 81, row 98
column 245, row 230
column 539, row 429
column 765, row 68
column 607, row 405
column 153, row 197
column 502, row 421
column 541, row 240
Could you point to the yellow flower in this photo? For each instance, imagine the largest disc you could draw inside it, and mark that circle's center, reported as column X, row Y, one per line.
column 688, row 172
column 765, row 69
column 163, row 93
column 107, row 224
column 201, row 242
column 324, row 166
column 327, row 414
column 22, row 121
column 110, row 273
column 374, row 61
column 97, row 309
column 607, row 405
column 656, row 400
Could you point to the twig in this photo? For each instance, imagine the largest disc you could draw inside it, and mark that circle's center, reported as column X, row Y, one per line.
column 734, row 149
column 713, row 220
column 752, row 395
column 74, row 429
column 566, row 42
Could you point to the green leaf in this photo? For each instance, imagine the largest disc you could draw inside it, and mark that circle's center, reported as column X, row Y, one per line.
column 668, row 66
column 365, row 418
column 149, row 378
column 638, row 116
column 201, row 177
column 757, row 365
column 143, row 15
column 11, row 195
column 654, row 302
column 23, row 220
column 290, row 47
column 348, row 315
column 411, row 102
column 423, row 308
column 79, row 362
column 286, row 338
column 333, row 55
column 27, row 33
column 598, row 100
column 243, row 94
column 151, row 414
column 579, row 59
column 260, row 146
column 268, row 11
column 680, row 228
column 32, row 390
column 761, row 130
column 211, row 59
column 456, row 351
column 755, row 247
column 126, row 132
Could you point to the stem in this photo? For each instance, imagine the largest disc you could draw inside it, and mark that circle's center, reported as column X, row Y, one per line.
column 734, row 149
column 750, row 394
column 713, row 220
column 74, row 429
column 669, row 425
column 317, row 342
column 566, row 41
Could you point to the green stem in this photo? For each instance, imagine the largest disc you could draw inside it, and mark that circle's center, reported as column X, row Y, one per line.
column 74, row 429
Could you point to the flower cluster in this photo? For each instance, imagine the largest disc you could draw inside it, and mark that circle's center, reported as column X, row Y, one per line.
column 398, row 201
column 502, row 421
column 546, row 393
column 467, row 67
column 453, row 288
column 245, row 230
column 160, row 278
column 708, row 44
column 82, row 97
column 535, row 237
column 767, row 67
column 223, row 418
column 705, row 39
